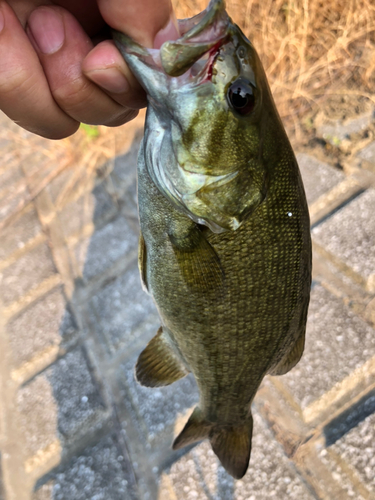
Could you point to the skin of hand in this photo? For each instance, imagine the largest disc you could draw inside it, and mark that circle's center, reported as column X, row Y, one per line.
column 58, row 66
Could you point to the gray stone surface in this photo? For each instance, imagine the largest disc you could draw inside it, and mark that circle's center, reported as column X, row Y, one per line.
column 119, row 308
column 318, row 177
column 24, row 228
column 337, row 342
column 2, row 492
column 198, row 474
column 26, row 273
column 101, row 472
column 59, row 401
column 107, row 245
column 43, row 324
column 90, row 207
column 350, row 234
column 155, row 409
column 357, row 448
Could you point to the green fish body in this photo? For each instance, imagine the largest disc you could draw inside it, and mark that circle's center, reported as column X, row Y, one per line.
column 225, row 247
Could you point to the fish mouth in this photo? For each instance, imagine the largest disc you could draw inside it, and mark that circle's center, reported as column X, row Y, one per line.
column 189, row 58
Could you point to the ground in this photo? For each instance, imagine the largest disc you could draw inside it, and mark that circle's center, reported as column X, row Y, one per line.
column 74, row 424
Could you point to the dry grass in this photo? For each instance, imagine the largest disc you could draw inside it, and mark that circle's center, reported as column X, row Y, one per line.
column 311, row 49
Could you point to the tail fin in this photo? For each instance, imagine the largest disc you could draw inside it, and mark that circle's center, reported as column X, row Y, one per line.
column 231, row 444
column 195, row 430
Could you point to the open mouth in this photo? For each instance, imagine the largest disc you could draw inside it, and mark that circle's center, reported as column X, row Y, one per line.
column 191, row 56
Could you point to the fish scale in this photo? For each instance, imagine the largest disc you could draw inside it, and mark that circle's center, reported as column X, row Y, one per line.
column 225, row 249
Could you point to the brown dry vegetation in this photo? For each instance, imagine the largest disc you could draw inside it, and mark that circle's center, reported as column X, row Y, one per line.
column 311, row 49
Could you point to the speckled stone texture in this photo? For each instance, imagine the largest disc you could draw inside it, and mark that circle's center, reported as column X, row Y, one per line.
column 59, row 402
column 119, row 308
column 25, row 228
column 337, row 342
column 349, row 234
column 45, row 323
column 101, row 472
column 26, row 273
column 318, row 177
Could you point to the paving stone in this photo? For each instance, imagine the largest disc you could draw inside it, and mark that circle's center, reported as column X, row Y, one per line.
column 156, row 408
column 26, row 273
column 15, row 236
column 318, row 177
column 90, row 207
column 198, row 474
column 368, row 153
column 119, row 308
column 349, row 234
column 107, row 245
column 59, row 401
column 101, row 472
column 2, row 493
column 357, row 448
column 43, row 324
column 337, row 342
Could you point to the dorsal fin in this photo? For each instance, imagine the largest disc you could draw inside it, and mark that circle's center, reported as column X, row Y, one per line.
column 159, row 363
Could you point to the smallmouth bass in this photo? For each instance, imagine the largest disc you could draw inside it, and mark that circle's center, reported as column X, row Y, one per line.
column 225, row 248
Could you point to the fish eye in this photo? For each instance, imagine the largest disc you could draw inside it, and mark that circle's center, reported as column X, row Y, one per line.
column 241, row 97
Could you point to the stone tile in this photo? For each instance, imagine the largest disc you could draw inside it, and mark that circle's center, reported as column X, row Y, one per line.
column 107, row 245
column 118, row 309
column 337, row 342
column 357, row 448
column 76, row 393
column 59, row 401
column 43, row 324
column 349, row 234
column 318, row 177
column 198, row 474
column 15, row 236
column 156, row 409
column 8, row 178
column 2, row 492
column 368, row 153
column 90, row 207
column 101, row 472
column 26, row 273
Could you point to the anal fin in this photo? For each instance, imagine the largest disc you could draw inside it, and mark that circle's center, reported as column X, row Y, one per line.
column 158, row 364
column 292, row 358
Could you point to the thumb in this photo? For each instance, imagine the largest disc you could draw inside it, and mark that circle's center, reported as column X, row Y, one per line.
column 149, row 22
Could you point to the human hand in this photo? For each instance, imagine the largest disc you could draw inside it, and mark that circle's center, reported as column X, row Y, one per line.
column 54, row 74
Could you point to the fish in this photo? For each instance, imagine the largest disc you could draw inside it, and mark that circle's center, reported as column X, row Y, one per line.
column 225, row 246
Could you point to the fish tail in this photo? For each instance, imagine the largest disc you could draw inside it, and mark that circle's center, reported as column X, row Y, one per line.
column 232, row 445
column 196, row 429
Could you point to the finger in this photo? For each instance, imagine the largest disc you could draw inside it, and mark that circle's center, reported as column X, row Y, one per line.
column 62, row 45
column 143, row 20
column 24, row 92
column 106, row 67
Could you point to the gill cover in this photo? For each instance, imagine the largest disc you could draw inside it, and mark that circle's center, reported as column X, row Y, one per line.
column 203, row 135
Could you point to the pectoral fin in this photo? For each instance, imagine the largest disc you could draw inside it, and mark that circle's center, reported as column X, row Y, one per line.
column 292, row 358
column 158, row 364
column 198, row 261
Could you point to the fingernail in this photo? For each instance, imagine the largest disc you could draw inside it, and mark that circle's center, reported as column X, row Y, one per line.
column 2, row 21
column 169, row 32
column 47, row 28
column 110, row 79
